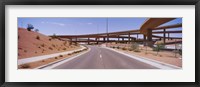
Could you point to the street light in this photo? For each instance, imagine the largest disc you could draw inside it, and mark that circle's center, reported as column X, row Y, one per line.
column 107, row 30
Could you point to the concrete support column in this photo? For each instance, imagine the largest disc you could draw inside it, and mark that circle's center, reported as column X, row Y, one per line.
column 137, row 36
column 107, row 37
column 96, row 39
column 129, row 38
column 76, row 41
column 164, row 35
column 168, row 36
column 88, row 41
column 144, row 40
column 70, row 41
column 118, row 38
column 149, row 37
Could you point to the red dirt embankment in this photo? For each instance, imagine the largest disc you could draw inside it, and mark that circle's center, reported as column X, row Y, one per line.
column 32, row 43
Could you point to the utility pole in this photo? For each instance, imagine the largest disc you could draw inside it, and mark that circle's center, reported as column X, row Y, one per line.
column 107, row 30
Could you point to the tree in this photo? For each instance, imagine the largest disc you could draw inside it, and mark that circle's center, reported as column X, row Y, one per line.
column 29, row 27
column 158, row 47
column 36, row 30
column 54, row 36
column 178, row 49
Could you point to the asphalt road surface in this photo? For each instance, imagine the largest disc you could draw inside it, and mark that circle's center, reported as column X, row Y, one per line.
column 102, row 58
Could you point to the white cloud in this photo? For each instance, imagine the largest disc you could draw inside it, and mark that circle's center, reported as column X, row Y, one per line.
column 55, row 23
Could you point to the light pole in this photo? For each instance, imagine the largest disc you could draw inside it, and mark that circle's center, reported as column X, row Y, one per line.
column 107, row 31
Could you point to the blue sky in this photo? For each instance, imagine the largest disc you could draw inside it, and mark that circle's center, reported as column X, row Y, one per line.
column 77, row 26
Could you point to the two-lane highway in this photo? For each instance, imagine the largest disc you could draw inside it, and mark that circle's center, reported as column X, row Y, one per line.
column 102, row 58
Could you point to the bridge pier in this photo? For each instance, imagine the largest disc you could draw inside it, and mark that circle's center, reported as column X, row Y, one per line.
column 122, row 40
column 70, row 41
column 144, row 40
column 107, row 37
column 96, row 39
column 129, row 39
column 168, row 36
column 164, row 30
column 88, row 41
column 149, row 37
column 118, row 38
column 104, row 39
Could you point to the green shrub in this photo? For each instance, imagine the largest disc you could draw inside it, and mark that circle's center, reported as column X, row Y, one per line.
column 134, row 46
column 159, row 47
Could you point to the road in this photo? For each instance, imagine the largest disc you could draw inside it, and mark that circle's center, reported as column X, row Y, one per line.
column 102, row 58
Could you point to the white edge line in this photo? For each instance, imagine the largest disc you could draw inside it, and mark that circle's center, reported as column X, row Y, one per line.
column 59, row 62
column 155, row 63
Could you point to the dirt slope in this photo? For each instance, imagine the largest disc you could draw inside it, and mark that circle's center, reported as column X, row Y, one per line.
column 32, row 43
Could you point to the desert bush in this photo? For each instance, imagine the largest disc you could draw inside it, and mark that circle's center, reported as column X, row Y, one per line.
column 56, row 57
column 38, row 37
column 43, row 50
column 53, row 45
column 64, row 49
column 118, row 47
column 25, row 51
column 42, row 45
column 43, row 60
column 65, row 43
column 25, row 66
column 50, row 48
column 69, row 54
column 60, row 55
column 124, row 48
column 49, row 39
column 158, row 47
column 137, row 50
column 135, row 46
column 130, row 49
